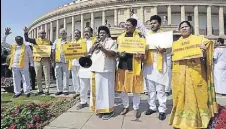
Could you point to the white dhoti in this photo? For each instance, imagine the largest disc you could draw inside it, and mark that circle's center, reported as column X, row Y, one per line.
column 62, row 77
column 220, row 80
column 102, row 92
column 168, row 85
column 84, row 87
column 18, row 76
column 154, row 87
column 75, row 78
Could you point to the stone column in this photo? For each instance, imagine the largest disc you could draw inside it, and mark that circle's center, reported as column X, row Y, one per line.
column 209, row 21
column 221, row 21
column 37, row 32
column 169, row 12
column 92, row 20
column 65, row 23
column 72, row 27
column 103, row 17
column 182, row 13
column 196, row 20
column 46, row 31
column 57, row 28
column 142, row 14
column 82, row 25
column 115, row 17
column 155, row 10
column 51, row 32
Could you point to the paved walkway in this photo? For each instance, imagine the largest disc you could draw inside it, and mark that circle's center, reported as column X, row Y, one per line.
column 85, row 119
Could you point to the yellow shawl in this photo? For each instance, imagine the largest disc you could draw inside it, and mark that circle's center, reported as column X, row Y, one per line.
column 150, row 57
column 58, row 51
column 136, row 62
column 21, row 60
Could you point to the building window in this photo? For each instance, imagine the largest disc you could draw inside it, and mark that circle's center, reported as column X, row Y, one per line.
column 189, row 18
column 87, row 24
column 121, row 12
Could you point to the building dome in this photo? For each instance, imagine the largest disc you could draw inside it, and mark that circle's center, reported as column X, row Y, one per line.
column 208, row 17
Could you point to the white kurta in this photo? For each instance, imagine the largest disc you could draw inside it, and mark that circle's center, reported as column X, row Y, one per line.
column 220, row 70
column 22, row 74
column 102, row 92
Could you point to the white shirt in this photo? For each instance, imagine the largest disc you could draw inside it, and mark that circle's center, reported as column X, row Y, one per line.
column 62, row 58
column 151, row 72
column 101, row 62
column 220, row 58
column 28, row 57
column 85, row 72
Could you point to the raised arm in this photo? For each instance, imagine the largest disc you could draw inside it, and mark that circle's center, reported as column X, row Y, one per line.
column 27, row 39
column 140, row 25
column 7, row 32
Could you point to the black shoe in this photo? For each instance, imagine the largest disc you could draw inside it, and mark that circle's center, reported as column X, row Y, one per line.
column 66, row 93
column 137, row 114
column 149, row 112
column 59, row 93
column 124, row 111
column 162, row 116
column 100, row 115
column 107, row 116
column 47, row 93
column 80, row 106
column 28, row 95
column 16, row 96
column 39, row 93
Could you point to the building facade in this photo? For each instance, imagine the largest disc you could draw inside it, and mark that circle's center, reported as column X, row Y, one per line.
column 208, row 17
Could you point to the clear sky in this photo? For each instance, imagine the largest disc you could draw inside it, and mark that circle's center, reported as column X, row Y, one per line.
column 17, row 14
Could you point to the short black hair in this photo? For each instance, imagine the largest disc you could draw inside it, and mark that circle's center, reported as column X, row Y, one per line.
column 157, row 18
column 132, row 21
column 90, row 29
column 19, row 38
column 78, row 30
column 189, row 24
column 105, row 28
column 220, row 40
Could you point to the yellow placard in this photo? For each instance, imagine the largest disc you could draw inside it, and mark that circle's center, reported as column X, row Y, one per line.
column 132, row 45
column 41, row 50
column 188, row 49
column 74, row 50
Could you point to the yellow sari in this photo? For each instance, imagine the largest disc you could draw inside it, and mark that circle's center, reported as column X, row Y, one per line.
column 194, row 101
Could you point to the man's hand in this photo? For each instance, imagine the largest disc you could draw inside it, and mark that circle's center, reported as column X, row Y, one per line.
column 139, row 56
column 161, row 50
column 25, row 30
column 7, row 31
column 53, row 64
column 122, row 54
column 131, row 12
column 203, row 47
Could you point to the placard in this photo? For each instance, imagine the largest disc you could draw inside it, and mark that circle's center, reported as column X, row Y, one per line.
column 74, row 50
column 41, row 50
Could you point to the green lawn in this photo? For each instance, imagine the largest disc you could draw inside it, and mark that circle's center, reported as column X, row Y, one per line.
column 8, row 101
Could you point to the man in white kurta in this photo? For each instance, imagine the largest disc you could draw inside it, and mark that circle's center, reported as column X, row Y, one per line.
column 61, row 66
column 85, row 73
column 76, row 66
column 220, row 68
column 21, row 58
column 156, row 80
column 103, row 81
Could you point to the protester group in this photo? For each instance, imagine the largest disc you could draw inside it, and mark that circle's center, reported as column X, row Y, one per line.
column 194, row 81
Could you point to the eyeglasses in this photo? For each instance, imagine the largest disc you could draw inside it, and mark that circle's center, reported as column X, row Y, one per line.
column 43, row 33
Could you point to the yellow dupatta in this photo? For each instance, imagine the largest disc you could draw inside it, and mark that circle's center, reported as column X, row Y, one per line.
column 21, row 60
column 150, row 57
column 136, row 62
column 58, row 51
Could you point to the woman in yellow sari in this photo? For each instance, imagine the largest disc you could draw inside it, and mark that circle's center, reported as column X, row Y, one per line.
column 194, row 101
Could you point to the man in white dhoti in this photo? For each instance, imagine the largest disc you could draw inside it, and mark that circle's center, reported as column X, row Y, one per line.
column 220, row 67
column 85, row 73
column 61, row 66
column 21, row 58
column 155, row 70
column 103, row 68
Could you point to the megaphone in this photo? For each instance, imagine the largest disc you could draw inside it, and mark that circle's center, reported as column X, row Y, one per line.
column 85, row 61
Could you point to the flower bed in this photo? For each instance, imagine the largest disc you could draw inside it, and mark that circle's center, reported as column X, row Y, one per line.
column 219, row 121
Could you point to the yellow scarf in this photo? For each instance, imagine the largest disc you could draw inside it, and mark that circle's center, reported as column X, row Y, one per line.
column 58, row 51
column 21, row 60
column 150, row 57
column 81, row 40
column 136, row 62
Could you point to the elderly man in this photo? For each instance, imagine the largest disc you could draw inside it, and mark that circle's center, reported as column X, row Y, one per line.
column 21, row 57
column 40, row 62
column 61, row 66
